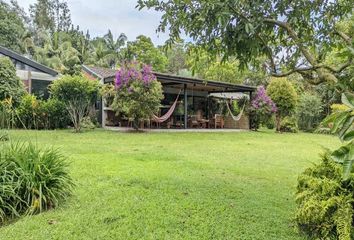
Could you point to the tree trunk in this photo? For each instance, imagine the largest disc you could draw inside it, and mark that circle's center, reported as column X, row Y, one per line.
column 136, row 124
column 277, row 120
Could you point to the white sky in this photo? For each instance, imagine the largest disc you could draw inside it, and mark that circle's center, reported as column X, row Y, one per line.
column 118, row 15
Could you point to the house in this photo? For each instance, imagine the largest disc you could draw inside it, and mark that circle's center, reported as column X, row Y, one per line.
column 34, row 75
column 196, row 101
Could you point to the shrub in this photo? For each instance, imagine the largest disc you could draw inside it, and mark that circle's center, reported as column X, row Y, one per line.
column 309, row 111
column 33, row 113
column 28, row 112
column 138, row 93
column 289, row 124
column 78, row 94
column 54, row 114
column 283, row 94
column 32, row 179
column 7, row 114
column 325, row 202
column 87, row 123
column 262, row 108
column 10, row 85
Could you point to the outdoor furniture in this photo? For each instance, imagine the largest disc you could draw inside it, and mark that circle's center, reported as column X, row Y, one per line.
column 218, row 121
column 193, row 121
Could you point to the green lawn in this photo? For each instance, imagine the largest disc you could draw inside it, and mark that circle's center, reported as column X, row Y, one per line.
column 175, row 185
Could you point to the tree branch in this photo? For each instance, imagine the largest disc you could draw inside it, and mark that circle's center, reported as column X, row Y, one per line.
column 344, row 36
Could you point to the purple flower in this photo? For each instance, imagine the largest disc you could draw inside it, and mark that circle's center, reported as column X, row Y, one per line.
column 131, row 72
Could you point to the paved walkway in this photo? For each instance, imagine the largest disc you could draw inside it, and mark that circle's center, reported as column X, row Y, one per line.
column 201, row 130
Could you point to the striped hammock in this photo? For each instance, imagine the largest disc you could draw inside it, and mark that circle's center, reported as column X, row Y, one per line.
column 239, row 116
column 166, row 116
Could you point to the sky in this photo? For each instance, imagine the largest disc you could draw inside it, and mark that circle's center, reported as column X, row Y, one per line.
column 120, row 16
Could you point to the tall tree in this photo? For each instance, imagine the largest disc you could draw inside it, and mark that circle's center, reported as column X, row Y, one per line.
column 177, row 57
column 12, row 27
column 144, row 51
column 292, row 33
column 52, row 15
column 114, row 48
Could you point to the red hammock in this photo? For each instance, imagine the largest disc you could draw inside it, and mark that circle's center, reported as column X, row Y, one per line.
column 168, row 114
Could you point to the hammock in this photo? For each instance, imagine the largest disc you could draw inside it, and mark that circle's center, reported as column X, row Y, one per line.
column 168, row 114
column 239, row 116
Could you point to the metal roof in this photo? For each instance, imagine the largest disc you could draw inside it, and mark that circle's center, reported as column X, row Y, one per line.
column 168, row 79
column 18, row 57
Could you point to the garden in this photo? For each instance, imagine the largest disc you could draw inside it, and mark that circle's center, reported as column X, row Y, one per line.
column 174, row 185
column 63, row 175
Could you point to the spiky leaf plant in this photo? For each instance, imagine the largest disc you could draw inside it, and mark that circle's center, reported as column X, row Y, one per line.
column 38, row 179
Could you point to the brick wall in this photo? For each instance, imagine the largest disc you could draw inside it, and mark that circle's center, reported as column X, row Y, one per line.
column 243, row 123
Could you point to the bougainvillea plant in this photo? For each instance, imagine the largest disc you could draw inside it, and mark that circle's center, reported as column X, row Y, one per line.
column 138, row 93
column 262, row 108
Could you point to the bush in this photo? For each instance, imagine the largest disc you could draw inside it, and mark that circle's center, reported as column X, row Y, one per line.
column 289, row 124
column 54, row 114
column 262, row 108
column 87, row 123
column 138, row 93
column 7, row 114
column 309, row 111
column 10, row 85
column 41, row 114
column 78, row 94
column 325, row 202
column 32, row 180
column 283, row 94
column 270, row 124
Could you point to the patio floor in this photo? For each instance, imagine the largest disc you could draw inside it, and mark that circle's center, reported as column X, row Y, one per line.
column 206, row 130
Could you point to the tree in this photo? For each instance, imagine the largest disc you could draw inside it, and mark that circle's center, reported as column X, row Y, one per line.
column 11, row 27
column 138, row 93
column 144, row 51
column 283, row 94
column 176, row 57
column 11, row 86
column 294, row 35
column 78, row 94
column 309, row 111
column 114, row 48
column 52, row 15
column 262, row 108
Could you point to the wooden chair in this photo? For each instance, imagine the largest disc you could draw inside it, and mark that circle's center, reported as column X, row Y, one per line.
column 218, row 121
column 193, row 121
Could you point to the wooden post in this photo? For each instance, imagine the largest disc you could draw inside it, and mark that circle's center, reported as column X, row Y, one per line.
column 185, row 107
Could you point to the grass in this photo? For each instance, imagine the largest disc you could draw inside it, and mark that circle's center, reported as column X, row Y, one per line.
column 175, row 185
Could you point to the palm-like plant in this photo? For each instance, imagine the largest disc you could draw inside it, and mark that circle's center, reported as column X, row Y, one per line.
column 114, row 47
column 341, row 122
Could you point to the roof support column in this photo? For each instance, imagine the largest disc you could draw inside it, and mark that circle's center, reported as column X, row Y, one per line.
column 185, row 106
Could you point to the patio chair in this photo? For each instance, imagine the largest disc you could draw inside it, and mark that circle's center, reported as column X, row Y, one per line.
column 218, row 121
column 193, row 121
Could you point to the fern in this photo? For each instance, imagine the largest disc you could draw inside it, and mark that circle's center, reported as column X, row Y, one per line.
column 325, row 202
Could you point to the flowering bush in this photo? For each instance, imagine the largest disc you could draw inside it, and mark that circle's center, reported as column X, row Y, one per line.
column 138, row 93
column 262, row 108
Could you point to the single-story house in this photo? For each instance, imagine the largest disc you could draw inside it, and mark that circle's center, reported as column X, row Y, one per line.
column 196, row 100
column 34, row 75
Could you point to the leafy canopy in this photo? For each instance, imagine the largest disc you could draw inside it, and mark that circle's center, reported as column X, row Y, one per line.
column 144, row 51
column 294, row 33
column 138, row 93
column 10, row 85
column 283, row 94
column 78, row 94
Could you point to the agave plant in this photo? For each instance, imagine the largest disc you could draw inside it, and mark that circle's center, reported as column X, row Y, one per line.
column 341, row 122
